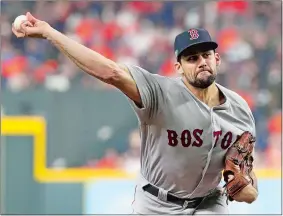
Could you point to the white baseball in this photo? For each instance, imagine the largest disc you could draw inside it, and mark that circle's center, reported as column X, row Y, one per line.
column 19, row 20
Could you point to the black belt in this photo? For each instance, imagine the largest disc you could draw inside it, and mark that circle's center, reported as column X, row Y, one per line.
column 187, row 203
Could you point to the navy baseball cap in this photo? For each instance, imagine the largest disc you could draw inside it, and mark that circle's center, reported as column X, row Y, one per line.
column 193, row 38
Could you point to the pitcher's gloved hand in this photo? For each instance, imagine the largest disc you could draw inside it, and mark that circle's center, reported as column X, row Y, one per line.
column 238, row 165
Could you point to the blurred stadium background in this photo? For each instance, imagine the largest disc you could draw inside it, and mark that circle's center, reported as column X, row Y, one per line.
column 70, row 143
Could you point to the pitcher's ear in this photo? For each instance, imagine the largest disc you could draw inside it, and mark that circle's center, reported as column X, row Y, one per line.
column 178, row 68
column 218, row 59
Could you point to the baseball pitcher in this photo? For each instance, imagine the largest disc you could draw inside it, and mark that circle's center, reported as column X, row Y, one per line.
column 194, row 131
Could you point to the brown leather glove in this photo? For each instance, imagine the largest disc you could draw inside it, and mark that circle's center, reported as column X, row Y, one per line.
column 239, row 163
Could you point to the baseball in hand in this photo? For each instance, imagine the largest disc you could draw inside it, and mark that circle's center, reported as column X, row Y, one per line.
column 19, row 20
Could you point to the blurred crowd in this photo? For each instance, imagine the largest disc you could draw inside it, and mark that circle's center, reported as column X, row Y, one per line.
column 129, row 160
column 142, row 33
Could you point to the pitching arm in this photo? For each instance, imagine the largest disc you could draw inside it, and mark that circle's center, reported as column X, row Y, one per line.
column 142, row 87
column 86, row 59
column 95, row 64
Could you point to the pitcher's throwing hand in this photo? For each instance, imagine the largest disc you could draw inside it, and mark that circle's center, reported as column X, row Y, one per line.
column 31, row 28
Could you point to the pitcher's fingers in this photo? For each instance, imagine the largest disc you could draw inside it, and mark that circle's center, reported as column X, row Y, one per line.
column 27, row 23
column 31, row 18
column 27, row 29
column 17, row 33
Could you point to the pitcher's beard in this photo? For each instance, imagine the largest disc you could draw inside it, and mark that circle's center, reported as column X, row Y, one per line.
column 202, row 83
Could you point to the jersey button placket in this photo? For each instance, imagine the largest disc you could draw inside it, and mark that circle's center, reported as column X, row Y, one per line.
column 209, row 153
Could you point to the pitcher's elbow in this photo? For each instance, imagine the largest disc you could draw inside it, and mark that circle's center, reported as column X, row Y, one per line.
column 109, row 74
column 112, row 76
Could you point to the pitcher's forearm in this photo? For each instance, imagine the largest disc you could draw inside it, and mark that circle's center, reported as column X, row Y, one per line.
column 86, row 59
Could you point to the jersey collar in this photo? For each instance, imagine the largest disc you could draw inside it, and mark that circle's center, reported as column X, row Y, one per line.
column 226, row 104
column 223, row 106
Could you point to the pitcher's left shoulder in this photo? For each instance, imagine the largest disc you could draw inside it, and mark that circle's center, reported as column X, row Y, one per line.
column 235, row 98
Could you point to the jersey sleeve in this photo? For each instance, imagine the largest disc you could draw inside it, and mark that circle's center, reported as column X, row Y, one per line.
column 253, row 131
column 253, row 125
column 152, row 90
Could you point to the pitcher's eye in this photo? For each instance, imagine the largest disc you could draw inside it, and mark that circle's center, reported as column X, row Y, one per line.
column 205, row 55
column 193, row 58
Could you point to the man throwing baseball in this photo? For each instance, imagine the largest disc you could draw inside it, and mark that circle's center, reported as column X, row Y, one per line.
column 193, row 130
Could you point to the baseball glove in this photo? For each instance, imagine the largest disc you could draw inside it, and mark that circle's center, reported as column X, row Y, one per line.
column 239, row 163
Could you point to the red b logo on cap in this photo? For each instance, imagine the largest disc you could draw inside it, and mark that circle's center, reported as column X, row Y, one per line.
column 194, row 34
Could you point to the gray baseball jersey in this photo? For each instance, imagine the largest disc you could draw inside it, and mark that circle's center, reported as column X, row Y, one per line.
column 183, row 141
